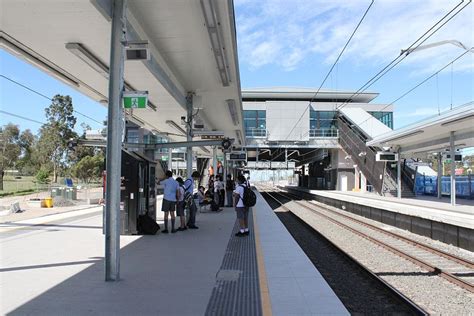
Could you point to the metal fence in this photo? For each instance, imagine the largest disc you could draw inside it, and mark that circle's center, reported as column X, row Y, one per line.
column 324, row 132
column 428, row 185
column 255, row 132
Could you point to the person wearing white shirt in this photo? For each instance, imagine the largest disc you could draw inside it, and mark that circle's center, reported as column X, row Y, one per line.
column 241, row 210
column 218, row 186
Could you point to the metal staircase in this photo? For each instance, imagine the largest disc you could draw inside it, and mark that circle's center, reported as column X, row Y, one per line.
column 383, row 179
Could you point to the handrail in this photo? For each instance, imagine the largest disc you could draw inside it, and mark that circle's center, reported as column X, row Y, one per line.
column 324, row 132
column 256, row 132
column 354, row 144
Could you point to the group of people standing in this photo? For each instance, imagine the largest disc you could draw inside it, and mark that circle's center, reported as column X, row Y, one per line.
column 178, row 196
column 220, row 191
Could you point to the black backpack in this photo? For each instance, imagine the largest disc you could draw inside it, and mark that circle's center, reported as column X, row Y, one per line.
column 147, row 226
column 250, row 199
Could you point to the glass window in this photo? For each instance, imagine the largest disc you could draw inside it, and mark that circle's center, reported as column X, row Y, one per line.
column 320, row 120
column 384, row 117
column 255, row 122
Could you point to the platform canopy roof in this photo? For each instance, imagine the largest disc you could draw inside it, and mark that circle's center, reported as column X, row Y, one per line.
column 192, row 46
column 432, row 134
column 296, row 93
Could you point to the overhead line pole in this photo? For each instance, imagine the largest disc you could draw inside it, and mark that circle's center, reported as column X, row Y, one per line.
column 114, row 142
column 189, row 134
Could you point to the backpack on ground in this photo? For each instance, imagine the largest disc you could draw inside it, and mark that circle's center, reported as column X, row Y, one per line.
column 250, row 199
column 147, row 226
column 214, row 206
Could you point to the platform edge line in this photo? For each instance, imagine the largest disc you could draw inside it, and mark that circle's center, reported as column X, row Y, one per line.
column 262, row 276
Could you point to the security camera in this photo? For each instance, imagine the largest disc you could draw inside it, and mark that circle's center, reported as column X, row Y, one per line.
column 183, row 119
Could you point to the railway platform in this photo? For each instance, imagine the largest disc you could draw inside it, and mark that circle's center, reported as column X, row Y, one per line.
column 424, row 216
column 56, row 266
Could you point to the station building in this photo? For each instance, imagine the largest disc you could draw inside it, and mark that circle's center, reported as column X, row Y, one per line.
column 312, row 133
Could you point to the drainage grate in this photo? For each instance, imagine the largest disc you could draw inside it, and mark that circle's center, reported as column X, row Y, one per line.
column 237, row 290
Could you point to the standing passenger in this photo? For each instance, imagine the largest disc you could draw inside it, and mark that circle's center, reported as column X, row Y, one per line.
column 217, row 190
column 241, row 210
column 189, row 200
column 230, row 187
column 221, row 192
column 169, row 199
column 180, row 205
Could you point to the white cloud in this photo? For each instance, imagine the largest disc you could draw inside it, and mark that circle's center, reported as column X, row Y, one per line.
column 284, row 33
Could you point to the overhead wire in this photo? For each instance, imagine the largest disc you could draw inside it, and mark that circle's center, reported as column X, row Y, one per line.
column 402, row 56
column 329, row 72
column 332, row 67
column 394, row 62
column 46, row 97
column 421, row 83
column 21, row 117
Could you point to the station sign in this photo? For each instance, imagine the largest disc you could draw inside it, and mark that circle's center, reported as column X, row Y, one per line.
column 386, row 156
column 237, row 156
column 447, row 157
column 135, row 99
column 212, row 136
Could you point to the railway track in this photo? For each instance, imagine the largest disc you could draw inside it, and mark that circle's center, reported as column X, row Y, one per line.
column 456, row 270
column 364, row 293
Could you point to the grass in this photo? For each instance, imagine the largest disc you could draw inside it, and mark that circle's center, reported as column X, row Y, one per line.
column 27, row 185
column 10, row 184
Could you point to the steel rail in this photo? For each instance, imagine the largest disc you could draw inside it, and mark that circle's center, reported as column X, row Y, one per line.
column 396, row 292
column 441, row 253
column 431, row 268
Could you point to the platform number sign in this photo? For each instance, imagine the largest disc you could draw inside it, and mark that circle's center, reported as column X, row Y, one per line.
column 135, row 99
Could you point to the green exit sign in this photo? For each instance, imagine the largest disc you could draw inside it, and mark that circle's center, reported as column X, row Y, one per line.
column 135, row 99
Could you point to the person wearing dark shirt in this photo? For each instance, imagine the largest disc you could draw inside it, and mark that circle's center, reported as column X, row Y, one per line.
column 229, row 187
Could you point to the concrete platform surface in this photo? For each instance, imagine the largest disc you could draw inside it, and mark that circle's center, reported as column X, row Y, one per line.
column 54, row 265
column 296, row 287
column 60, row 270
column 459, row 215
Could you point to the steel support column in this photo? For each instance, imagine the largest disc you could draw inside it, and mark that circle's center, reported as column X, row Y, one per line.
column 453, row 169
column 170, row 159
column 440, row 174
column 189, row 134
column 214, row 160
column 114, row 147
column 399, row 176
column 224, row 165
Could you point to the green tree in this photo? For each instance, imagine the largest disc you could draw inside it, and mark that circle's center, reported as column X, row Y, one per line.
column 52, row 145
column 27, row 143
column 10, row 148
column 89, row 168
column 42, row 176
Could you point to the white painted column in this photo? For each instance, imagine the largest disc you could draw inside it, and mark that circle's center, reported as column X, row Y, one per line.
column 214, row 160
column 189, row 135
column 399, row 175
column 363, row 183
column 440, row 174
column 453, row 170
column 170, row 159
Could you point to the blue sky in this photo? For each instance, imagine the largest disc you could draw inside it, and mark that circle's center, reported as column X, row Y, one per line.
column 17, row 100
column 294, row 43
